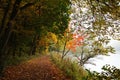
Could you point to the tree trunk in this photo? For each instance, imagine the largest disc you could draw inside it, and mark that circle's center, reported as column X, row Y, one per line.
column 20, row 52
column 64, row 49
column 34, row 45
column 5, row 17
column 6, row 29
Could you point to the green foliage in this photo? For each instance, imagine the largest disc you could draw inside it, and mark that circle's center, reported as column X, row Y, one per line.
column 24, row 23
column 17, row 60
column 101, row 16
column 51, row 15
column 72, row 69
column 108, row 73
column 88, row 19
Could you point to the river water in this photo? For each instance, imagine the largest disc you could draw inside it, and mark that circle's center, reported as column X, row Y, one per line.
column 113, row 59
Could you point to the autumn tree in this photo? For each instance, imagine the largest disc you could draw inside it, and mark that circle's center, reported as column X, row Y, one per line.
column 65, row 39
column 92, row 18
column 23, row 23
column 69, row 42
column 8, row 36
column 51, row 18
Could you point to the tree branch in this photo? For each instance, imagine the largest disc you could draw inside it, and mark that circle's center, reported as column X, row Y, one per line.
column 26, row 6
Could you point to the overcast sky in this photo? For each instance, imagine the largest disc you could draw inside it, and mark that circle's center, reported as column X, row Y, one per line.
column 113, row 59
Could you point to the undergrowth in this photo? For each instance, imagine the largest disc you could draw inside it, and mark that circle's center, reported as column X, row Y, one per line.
column 17, row 60
column 71, row 69
column 76, row 72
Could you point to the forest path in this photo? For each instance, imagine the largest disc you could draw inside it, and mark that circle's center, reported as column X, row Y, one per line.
column 40, row 68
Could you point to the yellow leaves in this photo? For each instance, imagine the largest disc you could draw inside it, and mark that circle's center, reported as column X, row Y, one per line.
column 43, row 42
column 47, row 39
column 67, row 30
column 67, row 33
column 52, row 37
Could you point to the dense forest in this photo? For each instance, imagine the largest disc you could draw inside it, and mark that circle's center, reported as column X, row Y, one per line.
column 30, row 26
column 50, row 27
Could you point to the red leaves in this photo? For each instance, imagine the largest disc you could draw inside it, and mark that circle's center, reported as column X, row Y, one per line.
column 76, row 41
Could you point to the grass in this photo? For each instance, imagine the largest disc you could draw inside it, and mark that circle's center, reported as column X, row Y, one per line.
column 71, row 69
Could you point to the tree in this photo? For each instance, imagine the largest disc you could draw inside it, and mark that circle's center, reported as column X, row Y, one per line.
column 10, row 30
column 66, row 38
column 23, row 23
column 76, row 41
column 102, row 15
column 90, row 18
column 70, row 42
column 108, row 73
column 54, row 20
column 46, row 42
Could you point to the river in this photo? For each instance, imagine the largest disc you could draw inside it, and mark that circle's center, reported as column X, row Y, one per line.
column 113, row 59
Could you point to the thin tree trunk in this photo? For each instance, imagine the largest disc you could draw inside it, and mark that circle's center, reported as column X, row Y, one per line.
column 6, row 30
column 20, row 52
column 64, row 50
column 34, row 45
column 6, row 14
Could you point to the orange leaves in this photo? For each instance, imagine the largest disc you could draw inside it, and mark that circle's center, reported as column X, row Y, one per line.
column 74, row 35
column 71, row 45
column 73, row 39
column 80, row 38
column 77, row 40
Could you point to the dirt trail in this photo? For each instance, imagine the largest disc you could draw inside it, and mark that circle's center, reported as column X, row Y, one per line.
column 36, row 69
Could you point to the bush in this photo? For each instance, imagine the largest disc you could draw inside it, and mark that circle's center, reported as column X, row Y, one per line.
column 10, row 60
column 108, row 73
column 72, row 69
